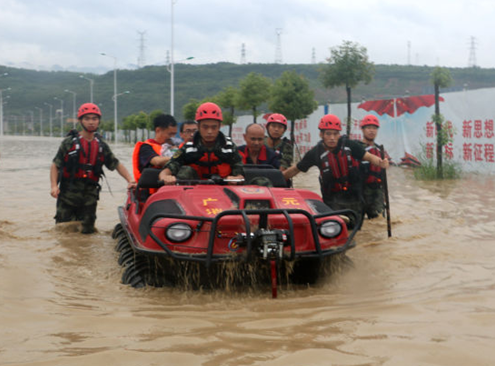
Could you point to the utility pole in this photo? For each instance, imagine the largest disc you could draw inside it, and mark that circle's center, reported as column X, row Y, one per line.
column 408, row 53
column 472, row 52
column 41, row 120
column 51, row 117
column 278, row 50
column 243, row 54
column 141, row 58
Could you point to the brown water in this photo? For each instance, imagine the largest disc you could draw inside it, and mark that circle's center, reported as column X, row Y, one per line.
column 426, row 296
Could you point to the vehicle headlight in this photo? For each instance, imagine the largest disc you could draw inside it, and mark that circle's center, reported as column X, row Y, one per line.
column 330, row 229
column 178, row 232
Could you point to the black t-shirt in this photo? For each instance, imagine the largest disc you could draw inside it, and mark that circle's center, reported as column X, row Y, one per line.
column 146, row 153
column 313, row 158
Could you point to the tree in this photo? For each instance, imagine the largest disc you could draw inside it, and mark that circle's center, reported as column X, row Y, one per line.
column 228, row 98
column 152, row 117
column 129, row 124
column 440, row 78
column 189, row 109
column 105, row 126
column 291, row 96
column 254, row 90
column 348, row 65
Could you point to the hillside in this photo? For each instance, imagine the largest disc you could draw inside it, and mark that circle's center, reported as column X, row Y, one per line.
column 150, row 86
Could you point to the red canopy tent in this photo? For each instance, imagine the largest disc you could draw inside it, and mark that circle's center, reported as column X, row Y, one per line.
column 398, row 106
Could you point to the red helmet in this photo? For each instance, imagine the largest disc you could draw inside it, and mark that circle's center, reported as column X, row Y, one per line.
column 369, row 120
column 88, row 108
column 209, row 111
column 276, row 118
column 330, row 122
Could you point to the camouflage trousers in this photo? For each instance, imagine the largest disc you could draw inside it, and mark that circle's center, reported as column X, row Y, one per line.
column 374, row 200
column 346, row 201
column 77, row 202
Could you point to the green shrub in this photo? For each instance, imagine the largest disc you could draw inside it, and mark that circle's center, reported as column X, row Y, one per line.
column 428, row 170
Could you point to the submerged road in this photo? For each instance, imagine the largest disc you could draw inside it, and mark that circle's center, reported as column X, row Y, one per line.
column 426, row 296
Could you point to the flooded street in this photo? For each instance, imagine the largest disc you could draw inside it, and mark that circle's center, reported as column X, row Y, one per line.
column 426, row 296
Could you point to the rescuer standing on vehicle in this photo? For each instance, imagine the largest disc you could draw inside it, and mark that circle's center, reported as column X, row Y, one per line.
column 338, row 160
column 372, row 174
column 148, row 154
column 78, row 166
column 276, row 126
column 209, row 153
column 255, row 151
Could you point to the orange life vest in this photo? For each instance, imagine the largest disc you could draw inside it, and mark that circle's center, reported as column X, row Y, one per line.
column 135, row 156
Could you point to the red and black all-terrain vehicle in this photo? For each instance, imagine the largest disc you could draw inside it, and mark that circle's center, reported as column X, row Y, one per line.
column 208, row 234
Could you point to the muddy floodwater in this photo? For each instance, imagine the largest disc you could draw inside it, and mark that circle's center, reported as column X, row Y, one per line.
column 426, row 296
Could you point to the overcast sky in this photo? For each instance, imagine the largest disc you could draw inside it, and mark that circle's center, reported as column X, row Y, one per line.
column 71, row 34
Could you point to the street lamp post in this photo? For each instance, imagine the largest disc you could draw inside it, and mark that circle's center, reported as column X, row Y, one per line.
column 170, row 69
column 15, row 124
column 41, row 120
column 1, row 109
column 118, row 95
column 74, row 116
column 114, row 98
column 32, row 119
column 51, row 117
column 91, row 84
column 61, row 116
column 172, row 2
column 114, row 93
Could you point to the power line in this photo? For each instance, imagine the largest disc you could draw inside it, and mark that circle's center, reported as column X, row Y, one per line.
column 313, row 56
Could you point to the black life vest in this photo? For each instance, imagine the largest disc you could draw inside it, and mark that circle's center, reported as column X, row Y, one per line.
column 371, row 173
column 85, row 158
column 338, row 170
column 206, row 162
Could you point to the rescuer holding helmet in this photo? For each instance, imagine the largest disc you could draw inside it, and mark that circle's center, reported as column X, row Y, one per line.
column 374, row 201
column 77, row 168
column 338, row 160
column 276, row 126
column 209, row 153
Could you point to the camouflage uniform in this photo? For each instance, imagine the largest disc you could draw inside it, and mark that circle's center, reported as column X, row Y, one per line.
column 374, row 199
column 78, row 197
column 178, row 165
column 285, row 149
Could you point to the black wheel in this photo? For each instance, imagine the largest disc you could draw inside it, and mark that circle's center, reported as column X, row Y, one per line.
column 126, row 257
column 117, row 230
column 133, row 276
column 306, row 271
column 122, row 244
